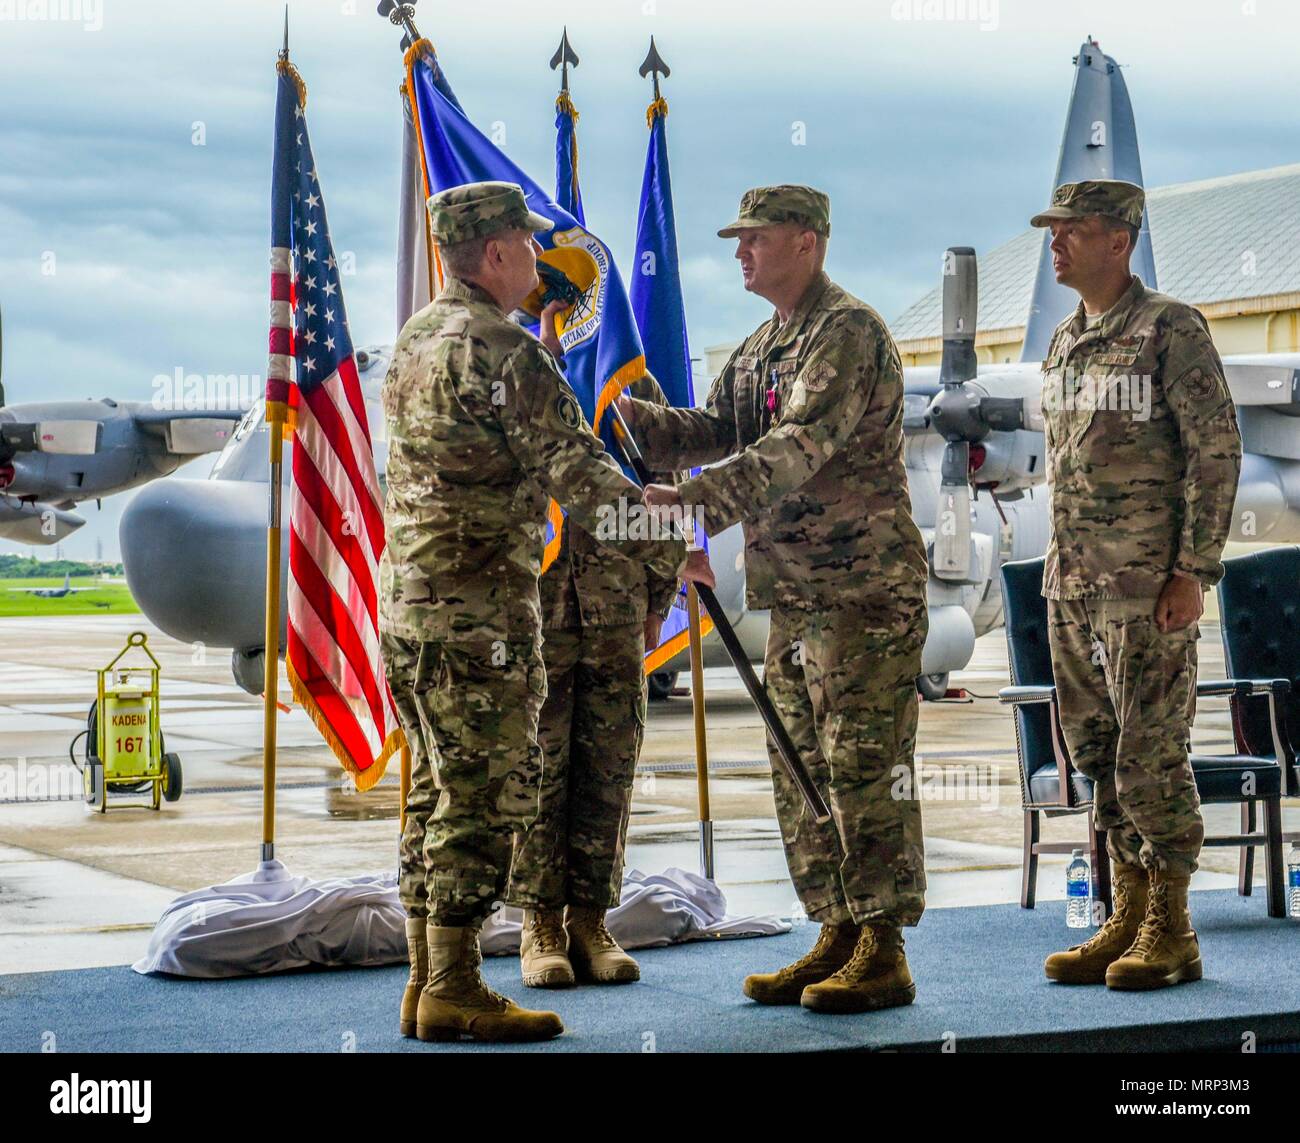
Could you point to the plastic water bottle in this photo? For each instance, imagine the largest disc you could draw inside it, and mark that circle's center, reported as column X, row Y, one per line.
column 1078, row 892
column 1293, row 880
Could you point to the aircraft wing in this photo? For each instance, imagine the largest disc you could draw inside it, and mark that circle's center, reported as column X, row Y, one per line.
column 26, row 523
column 1271, row 379
column 60, row 590
column 190, row 432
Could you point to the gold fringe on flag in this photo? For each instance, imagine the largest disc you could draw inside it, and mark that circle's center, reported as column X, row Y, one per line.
column 619, row 380
column 678, row 643
column 658, row 107
column 364, row 779
column 284, row 67
column 417, row 51
column 555, row 514
column 564, row 104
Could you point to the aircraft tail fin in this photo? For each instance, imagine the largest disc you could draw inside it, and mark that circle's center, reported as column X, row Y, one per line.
column 1100, row 142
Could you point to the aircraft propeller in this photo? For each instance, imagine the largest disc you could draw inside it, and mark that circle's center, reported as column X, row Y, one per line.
column 962, row 413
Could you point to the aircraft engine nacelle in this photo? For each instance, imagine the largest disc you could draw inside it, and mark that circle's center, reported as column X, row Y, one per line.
column 1265, row 494
column 1012, row 462
column 950, row 641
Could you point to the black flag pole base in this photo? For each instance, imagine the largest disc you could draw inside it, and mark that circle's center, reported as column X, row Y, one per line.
column 786, row 749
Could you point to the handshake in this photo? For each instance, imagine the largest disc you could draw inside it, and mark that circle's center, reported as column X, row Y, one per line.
column 665, row 503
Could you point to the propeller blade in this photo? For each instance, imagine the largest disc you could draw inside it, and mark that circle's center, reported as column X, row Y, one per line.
column 952, row 520
column 960, row 308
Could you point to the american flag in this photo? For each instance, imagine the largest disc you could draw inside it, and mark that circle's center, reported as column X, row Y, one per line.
column 336, row 518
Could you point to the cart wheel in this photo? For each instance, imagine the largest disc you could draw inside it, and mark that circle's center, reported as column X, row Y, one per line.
column 92, row 780
column 172, row 781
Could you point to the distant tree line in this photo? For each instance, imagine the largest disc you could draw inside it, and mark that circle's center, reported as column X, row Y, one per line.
column 24, row 567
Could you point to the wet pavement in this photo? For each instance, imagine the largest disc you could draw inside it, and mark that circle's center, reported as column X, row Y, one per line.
column 81, row 889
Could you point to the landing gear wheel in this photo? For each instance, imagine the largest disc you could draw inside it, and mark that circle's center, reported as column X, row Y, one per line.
column 171, row 780
column 932, row 687
column 661, row 684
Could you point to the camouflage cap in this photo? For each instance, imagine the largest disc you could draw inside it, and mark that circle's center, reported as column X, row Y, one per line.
column 766, row 206
column 1109, row 197
column 477, row 209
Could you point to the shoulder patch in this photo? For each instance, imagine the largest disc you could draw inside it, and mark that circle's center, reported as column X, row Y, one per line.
column 819, row 376
column 1200, row 385
column 566, row 408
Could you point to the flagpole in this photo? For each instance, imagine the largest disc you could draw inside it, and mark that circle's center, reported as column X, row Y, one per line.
column 271, row 633
column 271, row 643
column 701, row 740
column 654, row 66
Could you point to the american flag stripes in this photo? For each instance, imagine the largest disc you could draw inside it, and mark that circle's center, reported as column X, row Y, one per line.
column 336, row 519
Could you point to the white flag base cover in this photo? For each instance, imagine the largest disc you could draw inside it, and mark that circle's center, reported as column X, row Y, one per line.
column 269, row 921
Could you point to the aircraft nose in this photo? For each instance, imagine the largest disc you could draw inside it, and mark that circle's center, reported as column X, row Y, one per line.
column 195, row 558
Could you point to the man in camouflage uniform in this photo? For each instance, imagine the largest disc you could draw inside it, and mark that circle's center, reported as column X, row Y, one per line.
column 482, row 429
column 1143, row 455
column 600, row 611
column 804, row 429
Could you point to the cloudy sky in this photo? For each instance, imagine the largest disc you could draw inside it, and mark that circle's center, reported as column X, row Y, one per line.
column 135, row 146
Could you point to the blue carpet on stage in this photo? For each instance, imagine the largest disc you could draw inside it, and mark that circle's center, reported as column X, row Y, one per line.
column 979, row 979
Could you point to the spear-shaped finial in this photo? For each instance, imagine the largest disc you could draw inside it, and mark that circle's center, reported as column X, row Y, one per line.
column 563, row 58
column 284, row 51
column 653, row 64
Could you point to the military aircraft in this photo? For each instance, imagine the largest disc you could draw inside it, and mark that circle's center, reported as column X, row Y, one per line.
column 54, row 592
column 56, row 454
column 195, row 551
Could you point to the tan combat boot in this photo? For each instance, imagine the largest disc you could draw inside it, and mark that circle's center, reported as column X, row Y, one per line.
column 544, row 950
column 834, row 947
column 455, row 1002
column 1087, row 963
column 595, row 954
column 876, row 976
column 1166, row 951
column 418, row 950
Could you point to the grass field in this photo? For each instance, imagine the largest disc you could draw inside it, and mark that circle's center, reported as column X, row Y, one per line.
column 104, row 599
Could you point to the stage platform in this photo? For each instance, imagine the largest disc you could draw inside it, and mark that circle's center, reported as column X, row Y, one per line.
column 979, row 976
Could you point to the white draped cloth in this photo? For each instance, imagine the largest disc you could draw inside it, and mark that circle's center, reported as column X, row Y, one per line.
column 269, row 921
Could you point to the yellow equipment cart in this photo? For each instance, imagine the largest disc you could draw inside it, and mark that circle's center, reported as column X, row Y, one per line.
column 124, row 742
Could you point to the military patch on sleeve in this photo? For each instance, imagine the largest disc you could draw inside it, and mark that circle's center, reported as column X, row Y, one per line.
column 819, row 376
column 1200, row 385
column 567, row 409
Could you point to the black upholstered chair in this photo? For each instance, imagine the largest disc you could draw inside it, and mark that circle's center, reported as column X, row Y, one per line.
column 1040, row 746
column 1259, row 610
column 1251, row 777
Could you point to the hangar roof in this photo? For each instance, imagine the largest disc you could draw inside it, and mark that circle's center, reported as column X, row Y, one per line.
column 1215, row 240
